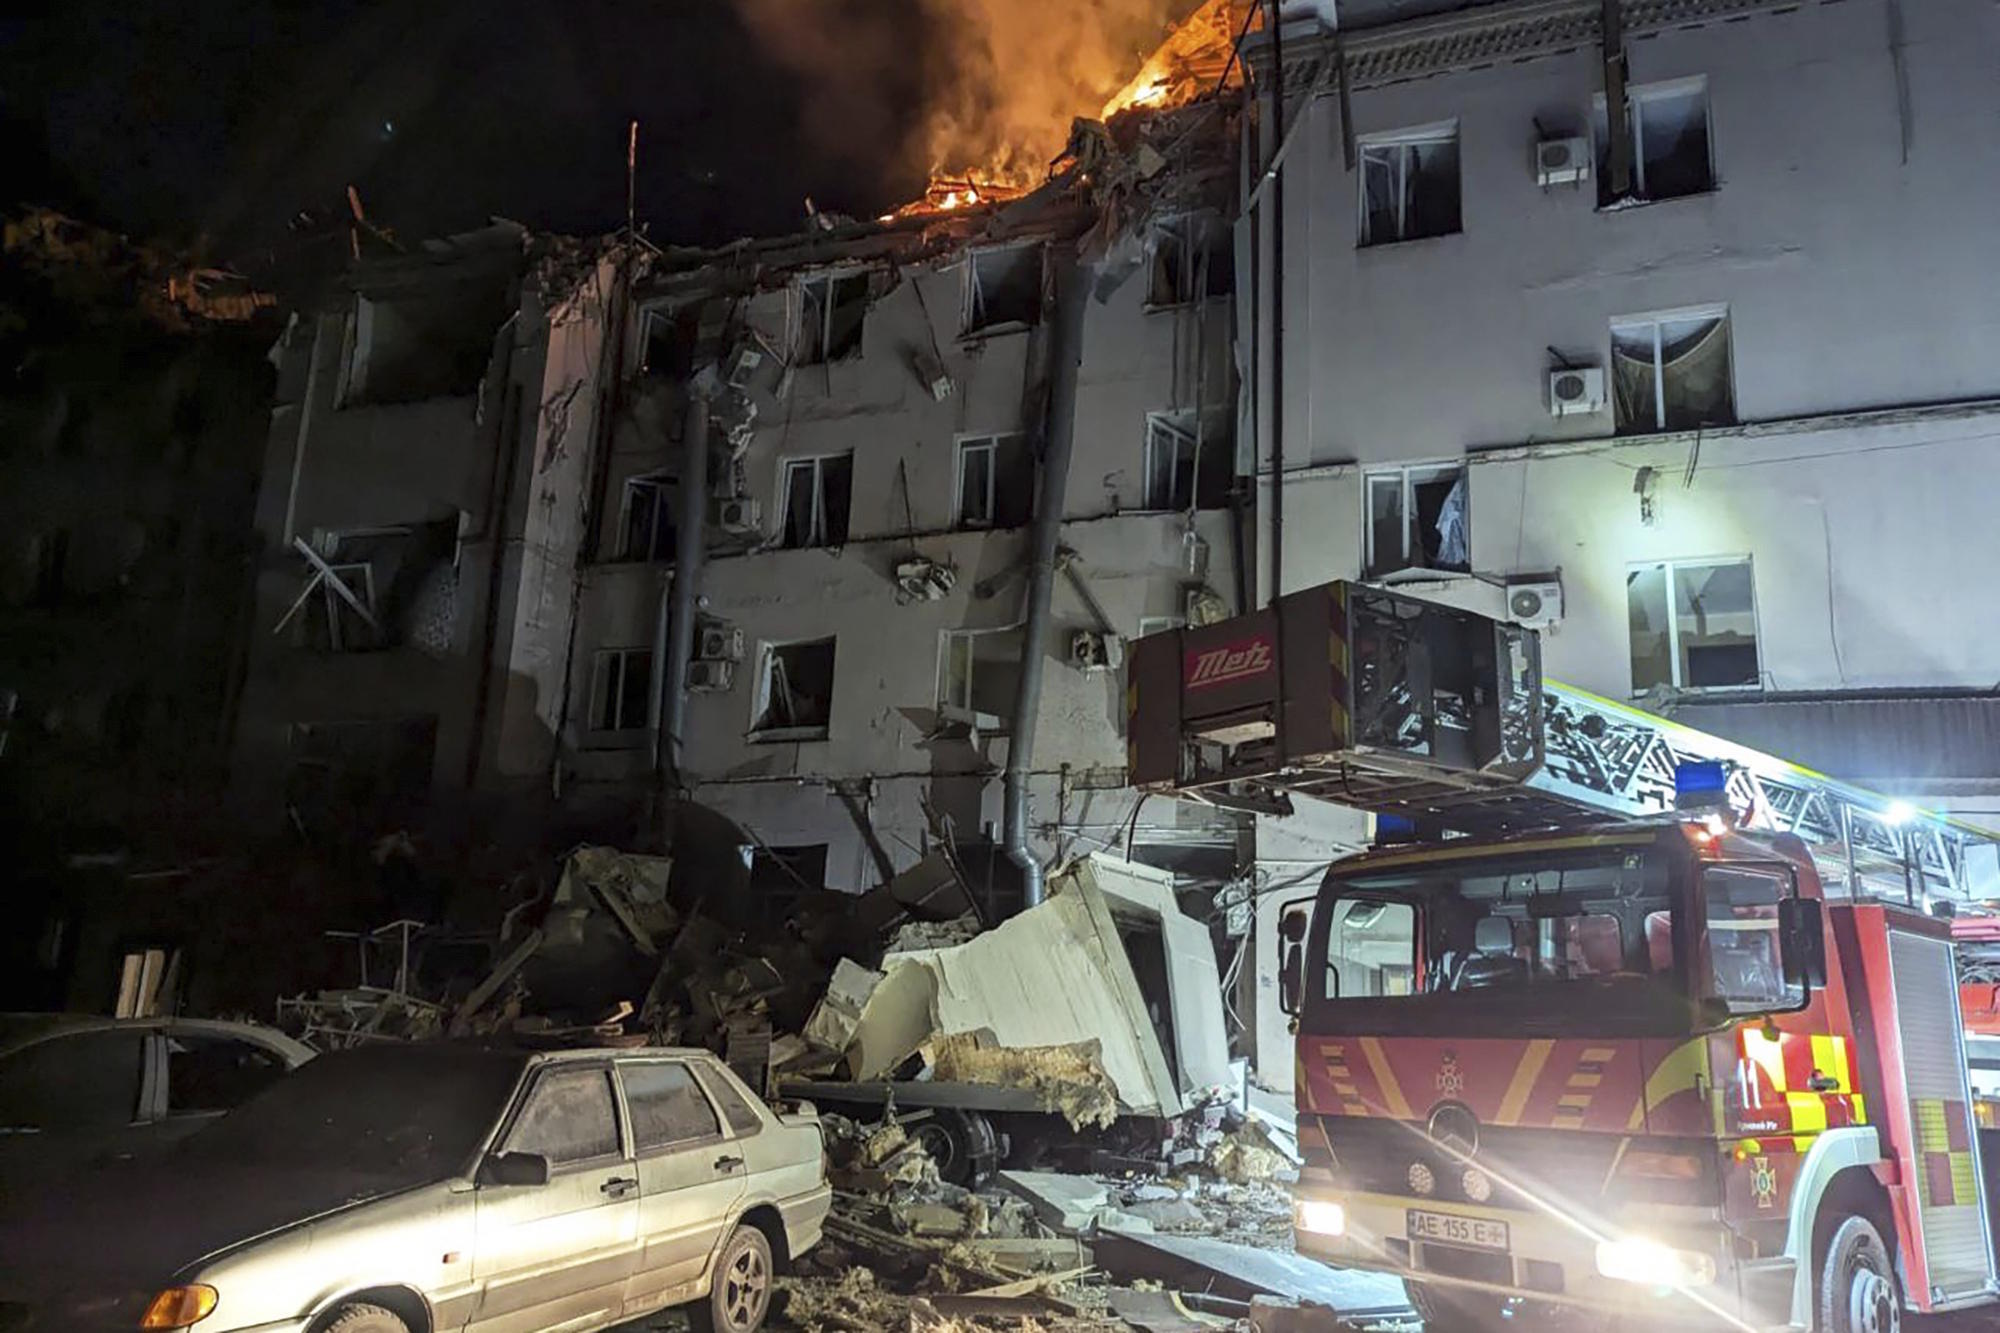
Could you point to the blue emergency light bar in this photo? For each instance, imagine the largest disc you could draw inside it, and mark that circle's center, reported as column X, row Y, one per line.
column 1701, row 784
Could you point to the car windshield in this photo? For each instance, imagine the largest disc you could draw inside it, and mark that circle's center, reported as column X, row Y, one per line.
column 416, row 1112
column 1492, row 932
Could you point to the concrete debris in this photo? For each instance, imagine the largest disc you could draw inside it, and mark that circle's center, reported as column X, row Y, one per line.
column 1068, row 1079
column 831, row 1027
column 912, row 936
column 1250, row 1153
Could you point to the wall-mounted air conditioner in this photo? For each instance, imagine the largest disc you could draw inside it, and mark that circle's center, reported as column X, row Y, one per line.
column 710, row 677
column 1576, row 390
column 1562, row 161
column 738, row 515
column 743, row 363
column 1534, row 601
column 1090, row 651
column 717, row 642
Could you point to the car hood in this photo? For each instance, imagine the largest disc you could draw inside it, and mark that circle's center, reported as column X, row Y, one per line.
column 135, row 1225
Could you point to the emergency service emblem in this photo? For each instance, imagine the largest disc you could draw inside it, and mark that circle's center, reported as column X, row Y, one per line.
column 1763, row 1182
column 1450, row 1082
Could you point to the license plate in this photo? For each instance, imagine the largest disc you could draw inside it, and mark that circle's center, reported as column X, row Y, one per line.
column 1477, row 1233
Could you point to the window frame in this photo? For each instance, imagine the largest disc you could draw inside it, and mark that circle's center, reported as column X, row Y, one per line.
column 657, row 482
column 639, row 1153
column 760, row 694
column 1160, row 624
column 598, row 676
column 991, row 443
column 818, row 527
column 1409, row 475
column 947, row 638
column 1437, row 132
column 827, row 278
column 526, row 1093
column 1701, row 969
column 971, row 300
column 1635, row 94
column 1669, row 568
column 1206, row 428
column 1658, row 319
column 1198, row 232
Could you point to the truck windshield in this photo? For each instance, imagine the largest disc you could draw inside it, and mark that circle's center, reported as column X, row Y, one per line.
column 1496, row 935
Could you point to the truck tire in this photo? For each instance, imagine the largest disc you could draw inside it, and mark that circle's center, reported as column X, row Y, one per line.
column 360, row 1317
column 1856, row 1292
column 962, row 1143
column 740, row 1293
column 1457, row 1310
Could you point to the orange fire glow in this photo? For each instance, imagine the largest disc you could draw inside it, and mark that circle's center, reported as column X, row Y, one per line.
column 946, row 194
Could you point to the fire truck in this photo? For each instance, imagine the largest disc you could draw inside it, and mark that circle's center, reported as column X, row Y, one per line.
column 1616, row 1018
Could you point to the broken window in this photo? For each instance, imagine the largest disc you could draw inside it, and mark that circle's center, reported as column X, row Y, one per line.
column 831, row 312
column 1191, row 259
column 815, row 501
column 1003, row 288
column 1694, row 625
column 786, row 871
column 1190, row 460
column 370, row 588
column 666, row 342
column 359, row 773
column 1670, row 143
column 996, row 482
column 794, row 691
column 405, row 346
column 621, row 682
column 1417, row 518
column 648, row 530
column 1671, row 372
column 1409, row 185
column 978, row 673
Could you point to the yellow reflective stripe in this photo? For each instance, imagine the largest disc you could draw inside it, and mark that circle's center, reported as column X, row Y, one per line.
column 1829, row 1057
column 1597, row 1055
column 1575, row 1101
column 1585, row 1080
column 1523, row 1083
column 1385, row 1078
column 1808, row 1112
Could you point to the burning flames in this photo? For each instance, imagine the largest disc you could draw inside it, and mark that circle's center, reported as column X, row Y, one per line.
column 947, row 194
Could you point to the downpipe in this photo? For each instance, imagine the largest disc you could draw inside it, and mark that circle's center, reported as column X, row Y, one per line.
column 1058, row 436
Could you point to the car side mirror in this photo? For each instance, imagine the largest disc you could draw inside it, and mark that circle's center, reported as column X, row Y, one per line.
column 1802, row 941
column 514, row 1168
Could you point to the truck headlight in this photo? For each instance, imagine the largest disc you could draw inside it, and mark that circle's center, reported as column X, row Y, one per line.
column 1322, row 1217
column 1651, row 1264
column 180, row 1307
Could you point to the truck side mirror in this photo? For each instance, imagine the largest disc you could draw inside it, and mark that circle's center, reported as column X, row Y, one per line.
column 1802, row 941
column 1291, row 977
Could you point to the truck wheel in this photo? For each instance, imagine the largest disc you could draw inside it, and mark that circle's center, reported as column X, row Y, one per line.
column 962, row 1143
column 740, row 1293
column 1857, row 1283
column 1452, row 1310
column 360, row 1317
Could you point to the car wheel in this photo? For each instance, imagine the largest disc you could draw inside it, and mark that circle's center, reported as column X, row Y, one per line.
column 741, row 1291
column 361, row 1317
column 1857, row 1282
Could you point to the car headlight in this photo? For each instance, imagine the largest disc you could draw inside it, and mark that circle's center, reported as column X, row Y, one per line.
column 180, row 1307
column 1322, row 1217
column 1649, row 1263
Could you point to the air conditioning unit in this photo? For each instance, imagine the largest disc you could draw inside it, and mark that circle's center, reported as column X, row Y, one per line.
column 1575, row 390
column 717, row 642
column 743, row 364
column 710, row 677
column 1562, row 161
column 1534, row 601
column 740, row 516
column 1090, row 651
column 922, row 580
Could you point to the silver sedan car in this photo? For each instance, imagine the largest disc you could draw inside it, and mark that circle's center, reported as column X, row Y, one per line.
column 419, row 1189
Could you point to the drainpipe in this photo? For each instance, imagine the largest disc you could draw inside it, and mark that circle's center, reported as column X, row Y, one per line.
column 675, row 632
column 1058, row 434
column 1274, row 135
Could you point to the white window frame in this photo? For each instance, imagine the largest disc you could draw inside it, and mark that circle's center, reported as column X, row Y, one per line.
column 1189, row 231
column 1409, row 474
column 817, row 462
column 969, row 303
column 1656, row 318
column 1636, row 93
column 825, row 278
column 603, row 663
column 1160, row 624
column 1674, row 672
column 988, row 444
column 647, row 318
column 1160, row 424
column 760, row 697
column 1443, row 131
column 947, row 641
column 657, row 482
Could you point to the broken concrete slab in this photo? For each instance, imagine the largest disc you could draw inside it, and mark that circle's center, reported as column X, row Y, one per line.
column 1175, row 1214
column 1242, row 1273
column 1069, row 1079
column 1160, row 1312
column 831, row 1027
column 1068, row 1203
column 1273, row 1314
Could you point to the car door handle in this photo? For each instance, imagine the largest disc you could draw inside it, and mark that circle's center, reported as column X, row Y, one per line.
column 619, row 1186
column 727, row 1163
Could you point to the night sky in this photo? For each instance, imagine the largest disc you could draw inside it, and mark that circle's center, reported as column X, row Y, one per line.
column 219, row 121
